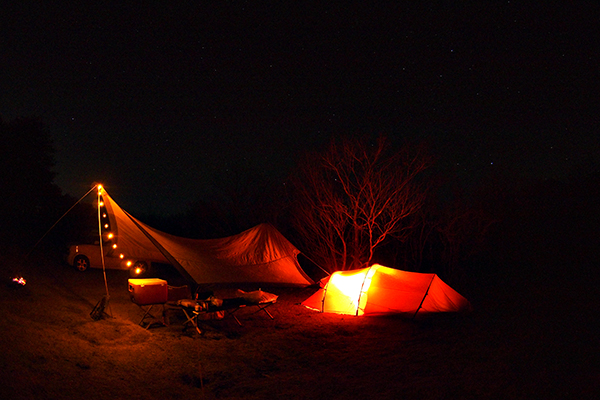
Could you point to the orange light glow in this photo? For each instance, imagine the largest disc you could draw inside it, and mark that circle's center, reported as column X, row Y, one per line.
column 121, row 256
column 348, row 285
column 350, row 288
column 110, row 235
column 114, row 246
column 20, row 281
column 129, row 263
column 105, row 226
column 364, row 290
column 138, row 271
column 101, row 203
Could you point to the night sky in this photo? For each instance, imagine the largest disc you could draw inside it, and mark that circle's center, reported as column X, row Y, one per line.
column 166, row 102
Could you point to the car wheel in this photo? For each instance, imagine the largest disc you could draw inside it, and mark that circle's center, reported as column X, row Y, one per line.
column 81, row 262
column 139, row 268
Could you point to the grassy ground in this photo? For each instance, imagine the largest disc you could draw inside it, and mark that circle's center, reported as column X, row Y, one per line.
column 529, row 337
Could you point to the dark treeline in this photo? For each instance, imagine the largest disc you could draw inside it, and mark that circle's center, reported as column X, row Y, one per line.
column 500, row 225
column 31, row 202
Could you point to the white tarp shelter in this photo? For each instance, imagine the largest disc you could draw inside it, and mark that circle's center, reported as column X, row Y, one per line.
column 259, row 255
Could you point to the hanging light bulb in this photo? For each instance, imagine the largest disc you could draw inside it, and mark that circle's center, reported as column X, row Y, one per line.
column 110, row 235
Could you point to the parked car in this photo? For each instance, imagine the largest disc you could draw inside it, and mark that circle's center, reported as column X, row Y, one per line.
column 84, row 256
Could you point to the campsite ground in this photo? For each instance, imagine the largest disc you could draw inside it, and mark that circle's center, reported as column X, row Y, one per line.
column 531, row 337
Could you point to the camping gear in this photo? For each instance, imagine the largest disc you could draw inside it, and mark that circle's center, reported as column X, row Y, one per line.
column 379, row 290
column 257, row 255
column 212, row 307
column 150, row 294
column 148, row 291
column 99, row 310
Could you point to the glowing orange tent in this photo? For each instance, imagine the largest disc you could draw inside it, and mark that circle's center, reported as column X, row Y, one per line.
column 379, row 290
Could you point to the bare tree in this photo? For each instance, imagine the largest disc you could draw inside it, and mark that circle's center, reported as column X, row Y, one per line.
column 416, row 244
column 462, row 234
column 354, row 197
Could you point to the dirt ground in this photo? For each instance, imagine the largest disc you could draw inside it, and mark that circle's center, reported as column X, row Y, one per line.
column 533, row 339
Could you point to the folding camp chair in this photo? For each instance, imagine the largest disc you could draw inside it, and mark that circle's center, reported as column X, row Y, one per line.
column 157, row 312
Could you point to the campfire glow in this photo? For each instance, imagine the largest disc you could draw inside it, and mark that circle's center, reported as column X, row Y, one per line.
column 19, row 280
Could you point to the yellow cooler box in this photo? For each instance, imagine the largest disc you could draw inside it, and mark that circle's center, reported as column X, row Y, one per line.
column 148, row 291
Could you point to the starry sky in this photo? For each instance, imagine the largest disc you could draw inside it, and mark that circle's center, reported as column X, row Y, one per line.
column 166, row 102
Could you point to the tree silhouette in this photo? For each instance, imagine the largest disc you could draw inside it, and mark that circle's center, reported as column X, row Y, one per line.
column 354, row 197
column 30, row 200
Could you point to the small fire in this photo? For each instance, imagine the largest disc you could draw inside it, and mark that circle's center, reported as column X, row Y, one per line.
column 19, row 280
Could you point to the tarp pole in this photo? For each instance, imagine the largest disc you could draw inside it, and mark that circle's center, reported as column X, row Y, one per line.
column 101, row 249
